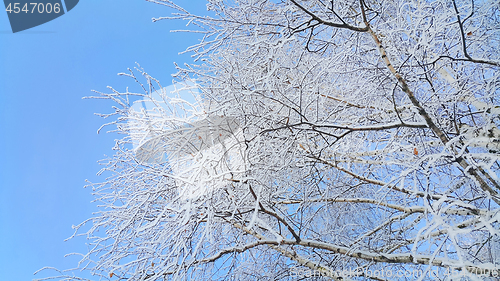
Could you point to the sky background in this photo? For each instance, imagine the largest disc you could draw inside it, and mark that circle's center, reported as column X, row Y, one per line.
column 49, row 143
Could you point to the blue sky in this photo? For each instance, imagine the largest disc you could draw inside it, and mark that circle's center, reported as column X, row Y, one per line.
column 49, row 143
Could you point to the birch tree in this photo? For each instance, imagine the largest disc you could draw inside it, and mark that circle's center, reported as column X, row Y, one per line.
column 364, row 137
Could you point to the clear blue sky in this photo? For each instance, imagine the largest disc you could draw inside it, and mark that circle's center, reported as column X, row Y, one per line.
column 48, row 143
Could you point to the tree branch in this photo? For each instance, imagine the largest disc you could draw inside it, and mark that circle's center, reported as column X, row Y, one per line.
column 338, row 25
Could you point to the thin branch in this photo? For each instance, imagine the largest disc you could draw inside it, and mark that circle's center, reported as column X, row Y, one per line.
column 469, row 211
column 338, row 25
